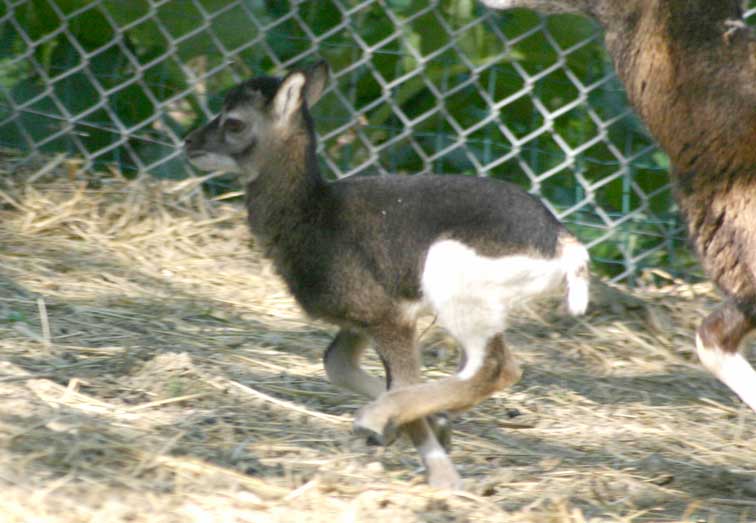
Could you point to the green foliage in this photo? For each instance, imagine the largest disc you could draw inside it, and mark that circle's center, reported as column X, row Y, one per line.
column 113, row 86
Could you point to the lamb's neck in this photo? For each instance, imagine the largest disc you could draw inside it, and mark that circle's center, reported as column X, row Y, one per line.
column 287, row 192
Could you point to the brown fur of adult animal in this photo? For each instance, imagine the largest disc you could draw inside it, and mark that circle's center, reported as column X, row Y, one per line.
column 689, row 68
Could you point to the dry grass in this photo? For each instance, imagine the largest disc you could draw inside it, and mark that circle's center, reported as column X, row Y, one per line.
column 152, row 368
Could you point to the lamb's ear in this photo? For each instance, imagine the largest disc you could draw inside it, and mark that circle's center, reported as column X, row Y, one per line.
column 288, row 98
column 317, row 79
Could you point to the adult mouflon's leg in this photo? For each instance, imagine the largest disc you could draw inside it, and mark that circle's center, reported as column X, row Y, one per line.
column 717, row 342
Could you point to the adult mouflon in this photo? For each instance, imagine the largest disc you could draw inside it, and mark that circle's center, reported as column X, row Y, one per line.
column 689, row 69
column 371, row 254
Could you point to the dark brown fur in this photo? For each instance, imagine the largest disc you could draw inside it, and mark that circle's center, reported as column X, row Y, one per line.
column 696, row 91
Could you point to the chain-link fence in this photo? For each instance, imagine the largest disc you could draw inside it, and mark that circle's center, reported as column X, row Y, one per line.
column 441, row 87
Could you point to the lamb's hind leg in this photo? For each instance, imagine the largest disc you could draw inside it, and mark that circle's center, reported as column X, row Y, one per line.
column 342, row 365
column 401, row 358
column 489, row 367
column 717, row 342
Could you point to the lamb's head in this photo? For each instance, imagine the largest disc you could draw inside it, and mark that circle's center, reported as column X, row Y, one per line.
column 256, row 114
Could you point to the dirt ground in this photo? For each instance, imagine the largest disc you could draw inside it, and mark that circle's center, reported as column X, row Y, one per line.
column 154, row 369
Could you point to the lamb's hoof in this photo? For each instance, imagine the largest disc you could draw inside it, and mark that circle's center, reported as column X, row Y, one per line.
column 375, row 435
column 445, row 478
column 441, row 426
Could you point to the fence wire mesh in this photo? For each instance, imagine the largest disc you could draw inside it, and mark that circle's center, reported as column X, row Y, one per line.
column 438, row 87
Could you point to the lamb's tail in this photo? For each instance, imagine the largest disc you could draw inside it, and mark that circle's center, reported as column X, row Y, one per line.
column 575, row 261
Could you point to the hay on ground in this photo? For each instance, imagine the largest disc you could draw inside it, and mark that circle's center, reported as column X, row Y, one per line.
column 154, row 369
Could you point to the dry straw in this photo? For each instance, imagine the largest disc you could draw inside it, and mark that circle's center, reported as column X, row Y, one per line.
column 154, row 369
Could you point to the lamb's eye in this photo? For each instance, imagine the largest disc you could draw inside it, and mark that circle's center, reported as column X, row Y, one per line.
column 233, row 125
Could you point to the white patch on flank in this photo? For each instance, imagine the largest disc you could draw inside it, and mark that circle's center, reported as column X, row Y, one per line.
column 472, row 294
column 732, row 369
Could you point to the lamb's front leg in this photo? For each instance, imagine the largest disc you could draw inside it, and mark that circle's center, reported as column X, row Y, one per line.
column 489, row 367
column 401, row 358
column 342, row 365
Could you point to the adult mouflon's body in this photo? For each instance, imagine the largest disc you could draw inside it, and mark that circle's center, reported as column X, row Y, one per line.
column 689, row 68
column 371, row 254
